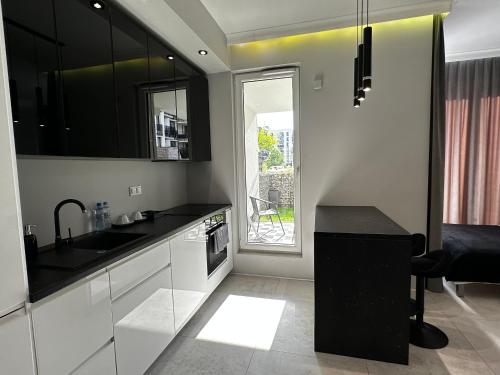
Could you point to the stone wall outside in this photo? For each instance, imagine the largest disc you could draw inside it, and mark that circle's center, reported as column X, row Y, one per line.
column 278, row 180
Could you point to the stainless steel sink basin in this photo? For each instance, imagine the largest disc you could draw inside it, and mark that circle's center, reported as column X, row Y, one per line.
column 106, row 240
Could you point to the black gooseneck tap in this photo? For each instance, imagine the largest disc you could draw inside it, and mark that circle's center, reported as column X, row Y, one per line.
column 59, row 241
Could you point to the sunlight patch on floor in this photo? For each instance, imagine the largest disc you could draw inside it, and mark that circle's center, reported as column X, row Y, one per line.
column 244, row 321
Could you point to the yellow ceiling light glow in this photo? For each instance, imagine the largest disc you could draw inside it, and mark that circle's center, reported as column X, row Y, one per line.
column 346, row 32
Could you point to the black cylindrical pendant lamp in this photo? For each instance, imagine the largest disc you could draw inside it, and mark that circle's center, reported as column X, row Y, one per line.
column 361, row 93
column 356, row 84
column 367, row 59
column 356, row 77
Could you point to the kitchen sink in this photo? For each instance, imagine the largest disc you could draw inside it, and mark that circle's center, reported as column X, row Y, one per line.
column 106, row 240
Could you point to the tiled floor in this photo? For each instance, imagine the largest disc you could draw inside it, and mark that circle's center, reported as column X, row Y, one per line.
column 264, row 326
column 272, row 234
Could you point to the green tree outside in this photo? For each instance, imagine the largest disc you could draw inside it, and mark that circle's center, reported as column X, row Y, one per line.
column 267, row 142
column 275, row 158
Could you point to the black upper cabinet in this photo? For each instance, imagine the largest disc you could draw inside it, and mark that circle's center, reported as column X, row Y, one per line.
column 193, row 112
column 33, row 75
column 130, row 59
column 96, row 83
column 87, row 78
column 178, row 102
column 161, row 102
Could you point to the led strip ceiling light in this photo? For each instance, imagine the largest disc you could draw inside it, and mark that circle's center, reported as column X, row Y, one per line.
column 363, row 59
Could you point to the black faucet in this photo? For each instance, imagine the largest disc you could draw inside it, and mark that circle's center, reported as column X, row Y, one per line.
column 59, row 241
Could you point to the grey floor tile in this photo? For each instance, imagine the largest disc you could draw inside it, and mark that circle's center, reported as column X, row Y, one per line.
column 472, row 325
column 187, row 356
column 281, row 363
column 295, row 333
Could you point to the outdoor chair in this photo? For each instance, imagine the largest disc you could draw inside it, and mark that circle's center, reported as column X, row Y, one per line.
column 271, row 209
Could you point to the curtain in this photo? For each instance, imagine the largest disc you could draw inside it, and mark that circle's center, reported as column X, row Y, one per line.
column 436, row 147
column 472, row 163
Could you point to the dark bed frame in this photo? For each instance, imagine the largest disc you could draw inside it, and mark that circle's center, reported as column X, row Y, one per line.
column 475, row 253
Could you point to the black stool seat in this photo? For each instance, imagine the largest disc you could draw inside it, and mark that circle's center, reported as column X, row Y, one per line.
column 432, row 265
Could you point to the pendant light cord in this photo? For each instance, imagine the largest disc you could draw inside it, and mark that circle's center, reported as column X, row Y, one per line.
column 367, row 13
column 357, row 25
column 361, row 37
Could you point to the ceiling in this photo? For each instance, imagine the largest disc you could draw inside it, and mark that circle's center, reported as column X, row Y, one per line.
column 244, row 20
column 267, row 96
column 472, row 30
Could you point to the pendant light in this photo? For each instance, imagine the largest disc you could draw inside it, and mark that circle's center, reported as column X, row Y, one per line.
column 363, row 60
column 356, row 102
column 361, row 92
column 367, row 54
column 356, row 85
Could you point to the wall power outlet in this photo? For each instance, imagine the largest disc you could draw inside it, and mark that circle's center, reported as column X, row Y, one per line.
column 134, row 190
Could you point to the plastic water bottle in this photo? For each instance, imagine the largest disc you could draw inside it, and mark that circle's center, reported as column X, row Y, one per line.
column 107, row 215
column 99, row 217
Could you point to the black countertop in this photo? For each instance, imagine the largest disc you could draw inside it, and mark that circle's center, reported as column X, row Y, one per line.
column 45, row 281
column 361, row 220
column 194, row 209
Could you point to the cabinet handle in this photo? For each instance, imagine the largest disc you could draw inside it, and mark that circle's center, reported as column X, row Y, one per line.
column 140, row 282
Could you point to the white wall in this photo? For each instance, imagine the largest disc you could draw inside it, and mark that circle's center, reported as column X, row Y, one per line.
column 213, row 182
column 44, row 183
column 13, row 283
column 376, row 155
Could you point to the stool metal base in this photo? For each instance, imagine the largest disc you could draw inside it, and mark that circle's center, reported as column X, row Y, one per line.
column 425, row 335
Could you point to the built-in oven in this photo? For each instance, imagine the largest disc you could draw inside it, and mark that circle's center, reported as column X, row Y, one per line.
column 217, row 240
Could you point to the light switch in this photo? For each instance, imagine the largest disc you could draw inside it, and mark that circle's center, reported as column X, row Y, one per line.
column 134, row 190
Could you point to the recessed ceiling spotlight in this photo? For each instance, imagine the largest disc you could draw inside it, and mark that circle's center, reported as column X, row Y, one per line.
column 170, row 57
column 97, row 4
column 203, row 52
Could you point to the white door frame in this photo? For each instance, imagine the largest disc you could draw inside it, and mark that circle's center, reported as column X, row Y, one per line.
column 239, row 80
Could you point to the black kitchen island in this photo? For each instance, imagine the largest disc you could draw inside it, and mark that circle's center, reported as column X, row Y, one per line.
column 362, row 284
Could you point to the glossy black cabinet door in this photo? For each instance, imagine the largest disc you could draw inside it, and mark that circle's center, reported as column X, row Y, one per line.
column 84, row 36
column 33, row 75
column 199, row 118
column 193, row 112
column 162, row 102
column 183, row 73
column 130, row 59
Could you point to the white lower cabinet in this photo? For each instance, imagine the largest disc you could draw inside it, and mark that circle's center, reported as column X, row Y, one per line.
column 16, row 350
column 144, row 323
column 143, row 308
column 72, row 325
column 139, row 267
column 142, row 302
column 189, row 272
column 101, row 363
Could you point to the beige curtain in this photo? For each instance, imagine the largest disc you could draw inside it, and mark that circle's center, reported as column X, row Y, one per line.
column 472, row 161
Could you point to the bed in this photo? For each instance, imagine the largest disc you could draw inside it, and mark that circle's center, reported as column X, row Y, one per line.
column 475, row 253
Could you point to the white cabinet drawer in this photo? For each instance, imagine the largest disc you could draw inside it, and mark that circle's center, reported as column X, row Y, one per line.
column 72, row 325
column 16, row 356
column 189, row 272
column 101, row 363
column 127, row 275
column 144, row 323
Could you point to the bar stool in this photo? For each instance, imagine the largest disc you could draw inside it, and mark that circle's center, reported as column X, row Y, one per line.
column 431, row 265
column 418, row 248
